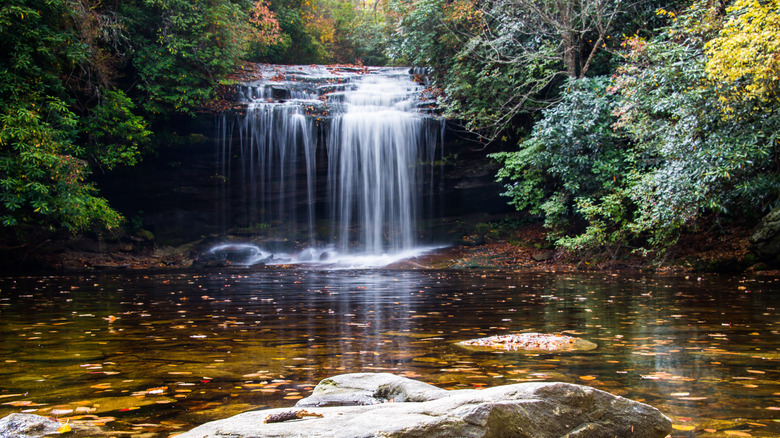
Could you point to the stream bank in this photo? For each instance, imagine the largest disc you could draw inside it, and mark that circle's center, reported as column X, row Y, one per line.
column 479, row 242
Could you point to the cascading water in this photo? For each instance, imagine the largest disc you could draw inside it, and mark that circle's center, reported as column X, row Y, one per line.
column 328, row 165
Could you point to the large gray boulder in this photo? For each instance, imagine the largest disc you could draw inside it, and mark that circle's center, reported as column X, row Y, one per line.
column 524, row 410
column 27, row 426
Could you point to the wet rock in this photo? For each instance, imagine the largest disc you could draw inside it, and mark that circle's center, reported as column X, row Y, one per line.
column 368, row 389
column 27, row 426
column 529, row 343
column 524, row 410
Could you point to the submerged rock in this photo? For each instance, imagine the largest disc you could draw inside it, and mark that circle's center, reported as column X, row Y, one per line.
column 27, row 426
column 524, row 410
column 529, row 343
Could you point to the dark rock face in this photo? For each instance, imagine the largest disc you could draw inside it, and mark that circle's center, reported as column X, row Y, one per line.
column 525, row 410
column 27, row 426
column 765, row 241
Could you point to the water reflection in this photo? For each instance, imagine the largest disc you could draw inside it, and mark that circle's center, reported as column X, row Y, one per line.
column 166, row 351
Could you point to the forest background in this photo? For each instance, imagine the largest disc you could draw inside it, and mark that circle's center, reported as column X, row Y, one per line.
column 622, row 125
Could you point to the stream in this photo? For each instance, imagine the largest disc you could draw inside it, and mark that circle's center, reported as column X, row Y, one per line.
column 148, row 354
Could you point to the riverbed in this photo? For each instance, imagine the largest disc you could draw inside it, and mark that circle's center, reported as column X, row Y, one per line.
column 151, row 353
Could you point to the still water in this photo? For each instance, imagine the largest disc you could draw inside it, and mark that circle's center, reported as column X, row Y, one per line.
column 150, row 354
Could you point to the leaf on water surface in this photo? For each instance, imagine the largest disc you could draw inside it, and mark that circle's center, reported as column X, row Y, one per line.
column 21, row 403
column 425, row 359
column 756, row 424
column 588, row 377
column 157, row 390
column 736, row 433
column 65, row 428
column 683, row 427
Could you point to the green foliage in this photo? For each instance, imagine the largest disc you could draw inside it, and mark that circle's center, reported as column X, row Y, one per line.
column 296, row 44
column 41, row 184
column 42, row 165
column 78, row 77
column 185, row 47
column 709, row 154
column 574, row 166
column 664, row 144
column 115, row 135
column 420, row 39
column 491, row 95
column 500, row 62
column 367, row 37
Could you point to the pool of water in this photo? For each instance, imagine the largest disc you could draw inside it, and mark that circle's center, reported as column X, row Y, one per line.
column 153, row 354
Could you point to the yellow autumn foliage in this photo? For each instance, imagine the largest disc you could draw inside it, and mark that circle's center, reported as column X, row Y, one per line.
column 747, row 49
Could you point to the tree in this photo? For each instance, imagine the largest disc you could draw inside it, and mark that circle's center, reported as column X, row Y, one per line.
column 710, row 154
column 509, row 57
column 746, row 52
column 662, row 147
column 183, row 48
column 48, row 74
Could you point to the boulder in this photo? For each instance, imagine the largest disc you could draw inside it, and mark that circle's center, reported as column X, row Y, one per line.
column 765, row 241
column 27, row 426
column 523, row 410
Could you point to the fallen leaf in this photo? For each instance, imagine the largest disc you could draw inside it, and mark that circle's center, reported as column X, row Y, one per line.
column 682, row 427
column 65, row 428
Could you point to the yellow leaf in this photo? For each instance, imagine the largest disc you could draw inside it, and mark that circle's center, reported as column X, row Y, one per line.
column 682, row 427
column 65, row 428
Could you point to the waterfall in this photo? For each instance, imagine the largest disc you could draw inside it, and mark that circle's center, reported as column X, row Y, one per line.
column 325, row 164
